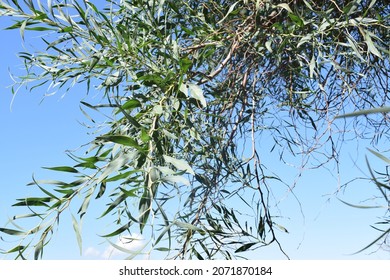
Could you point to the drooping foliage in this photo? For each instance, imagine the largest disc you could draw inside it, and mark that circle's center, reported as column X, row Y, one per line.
column 191, row 89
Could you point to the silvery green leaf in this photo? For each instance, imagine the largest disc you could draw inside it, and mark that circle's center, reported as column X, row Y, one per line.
column 176, row 179
column 285, row 6
column 179, row 164
column 184, row 89
column 113, row 80
column 197, row 93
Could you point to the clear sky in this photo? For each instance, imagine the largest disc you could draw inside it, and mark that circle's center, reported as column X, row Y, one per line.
column 36, row 134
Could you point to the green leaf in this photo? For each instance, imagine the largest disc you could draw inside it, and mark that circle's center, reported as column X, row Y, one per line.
column 296, row 19
column 120, row 176
column 382, row 157
column 285, row 6
column 120, row 139
column 282, row 228
column 33, row 201
column 189, row 226
column 62, row 169
column 179, row 164
column 352, row 44
column 127, row 251
column 67, row 29
column 312, row 66
column 185, row 64
column 347, row 8
column 12, row 231
column 163, row 232
column 114, row 204
column 176, row 179
column 84, row 206
column 39, row 28
column 197, row 93
column 16, row 249
column 41, row 243
column 22, row 28
column 24, row 216
column 245, row 247
column 94, row 62
column 131, row 104
column 131, row 119
column 78, row 233
column 268, row 45
column 231, row 9
column 371, row 46
column 365, row 112
column 162, row 249
column 102, row 189
column 145, row 136
column 115, row 165
column 359, row 206
column 119, row 230
column 113, row 80
column 130, row 193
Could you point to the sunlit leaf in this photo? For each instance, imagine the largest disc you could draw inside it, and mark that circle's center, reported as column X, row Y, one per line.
column 120, row 139
column 359, row 206
column 77, row 231
column 131, row 104
column 365, row 112
column 189, row 226
column 144, row 207
column 371, row 46
column 176, row 179
column 285, row 6
column 179, row 164
column 197, row 93
column 382, row 157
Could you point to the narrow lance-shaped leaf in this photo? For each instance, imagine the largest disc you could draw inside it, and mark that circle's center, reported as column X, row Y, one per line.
column 77, row 231
column 84, row 206
column 120, row 139
column 119, row 230
column 387, row 232
column 114, row 204
column 359, row 206
column 179, row 164
column 371, row 46
column 189, row 226
column 33, row 201
column 41, row 243
column 115, row 165
column 63, row 169
column 144, row 207
column 365, row 112
column 245, row 247
column 382, row 157
column 197, row 93
column 12, row 231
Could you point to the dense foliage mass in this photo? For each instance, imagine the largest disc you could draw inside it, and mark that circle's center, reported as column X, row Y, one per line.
column 191, row 88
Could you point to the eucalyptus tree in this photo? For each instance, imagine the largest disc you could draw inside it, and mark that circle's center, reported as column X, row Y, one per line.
column 188, row 88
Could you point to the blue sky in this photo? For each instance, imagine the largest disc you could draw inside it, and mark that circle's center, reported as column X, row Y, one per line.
column 37, row 133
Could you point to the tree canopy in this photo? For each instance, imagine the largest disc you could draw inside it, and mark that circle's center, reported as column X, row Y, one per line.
column 189, row 90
